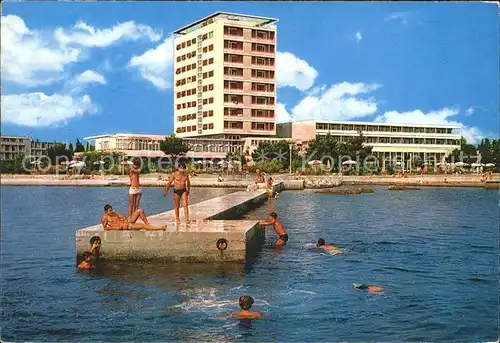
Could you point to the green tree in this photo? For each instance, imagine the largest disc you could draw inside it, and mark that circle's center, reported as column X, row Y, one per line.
column 79, row 146
column 467, row 151
column 16, row 165
column 322, row 146
column 174, row 146
column 57, row 152
column 278, row 151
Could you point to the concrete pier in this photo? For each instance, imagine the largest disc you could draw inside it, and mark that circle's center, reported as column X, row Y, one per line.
column 210, row 237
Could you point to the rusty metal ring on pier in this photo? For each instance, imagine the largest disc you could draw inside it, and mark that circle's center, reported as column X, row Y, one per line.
column 221, row 244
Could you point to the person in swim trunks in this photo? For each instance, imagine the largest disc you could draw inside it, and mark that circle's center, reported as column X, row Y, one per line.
column 328, row 247
column 134, row 193
column 112, row 220
column 246, row 303
column 278, row 227
column 182, row 186
column 372, row 289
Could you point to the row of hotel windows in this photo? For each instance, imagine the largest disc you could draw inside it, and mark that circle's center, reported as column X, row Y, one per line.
column 182, row 82
column 193, row 41
column 238, row 125
column 186, row 56
column 185, row 68
column 264, row 61
column 193, row 116
column 381, row 128
column 238, row 31
column 238, row 85
column 257, row 100
column 190, row 104
column 238, row 112
column 186, row 93
column 256, row 47
column 398, row 140
column 263, row 74
column 193, row 128
column 208, row 61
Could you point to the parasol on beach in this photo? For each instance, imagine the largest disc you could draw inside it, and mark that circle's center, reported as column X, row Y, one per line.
column 461, row 164
column 78, row 165
column 349, row 162
column 489, row 165
column 127, row 162
column 98, row 162
column 314, row 162
column 475, row 165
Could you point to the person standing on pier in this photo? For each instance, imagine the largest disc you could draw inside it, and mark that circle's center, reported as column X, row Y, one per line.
column 134, row 193
column 182, row 186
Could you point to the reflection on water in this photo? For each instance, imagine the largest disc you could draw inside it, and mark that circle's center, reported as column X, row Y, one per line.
column 434, row 252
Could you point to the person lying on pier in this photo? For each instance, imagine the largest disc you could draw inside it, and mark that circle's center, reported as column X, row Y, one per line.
column 328, row 247
column 86, row 264
column 134, row 193
column 182, row 186
column 246, row 303
column 372, row 289
column 112, row 220
column 278, row 227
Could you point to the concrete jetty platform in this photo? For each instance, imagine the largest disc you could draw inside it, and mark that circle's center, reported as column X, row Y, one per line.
column 210, row 237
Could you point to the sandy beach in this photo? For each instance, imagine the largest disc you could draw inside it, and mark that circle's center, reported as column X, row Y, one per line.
column 235, row 181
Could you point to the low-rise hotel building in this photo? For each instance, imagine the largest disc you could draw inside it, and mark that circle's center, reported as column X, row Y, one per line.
column 13, row 145
column 391, row 143
column 144, row 145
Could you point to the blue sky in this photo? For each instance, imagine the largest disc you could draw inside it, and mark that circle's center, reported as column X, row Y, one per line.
column 78, row 69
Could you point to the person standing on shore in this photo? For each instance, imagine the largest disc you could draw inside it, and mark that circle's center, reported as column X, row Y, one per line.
column 182, row 186
column 134, row 193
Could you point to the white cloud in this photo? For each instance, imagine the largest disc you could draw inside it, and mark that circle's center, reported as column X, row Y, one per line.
column 90, row 76
column 341, row 101
column 439, row 117
column 28, row 58
column 41, row 110
column 155, row 65
column 403, row 16
column 282, row 115
column 470, row 111
column 83, row 34
column 358, row 36
column 292, row 71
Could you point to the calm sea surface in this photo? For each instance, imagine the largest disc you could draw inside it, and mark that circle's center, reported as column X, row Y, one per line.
column 435, row 251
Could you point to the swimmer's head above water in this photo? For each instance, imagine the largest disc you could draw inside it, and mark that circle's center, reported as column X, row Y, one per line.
column 246, row 302
column 321, row 242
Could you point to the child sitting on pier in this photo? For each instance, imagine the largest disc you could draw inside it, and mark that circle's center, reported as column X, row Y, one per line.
column 246, row 303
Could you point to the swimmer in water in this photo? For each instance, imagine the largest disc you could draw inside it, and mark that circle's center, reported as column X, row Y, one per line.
column 86, row 264
column 372, row 289
column 328, row 247
column 278, row 227
column 246, row 303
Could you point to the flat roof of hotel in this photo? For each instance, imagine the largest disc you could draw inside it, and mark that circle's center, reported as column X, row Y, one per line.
column 256, row 19
column 372, row 123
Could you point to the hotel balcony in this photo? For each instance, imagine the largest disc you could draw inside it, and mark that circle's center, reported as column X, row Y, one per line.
column 263, row 36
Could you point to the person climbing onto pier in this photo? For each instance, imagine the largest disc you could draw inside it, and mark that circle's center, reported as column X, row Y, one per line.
column 134, row 193
column 112, row 220
column 278, row 227
column 95, row 247
column 182, row 186
column 246, row 303
column 328, row 247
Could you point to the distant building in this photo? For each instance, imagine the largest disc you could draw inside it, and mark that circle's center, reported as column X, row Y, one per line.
column 224, row 77
column 13, row 145
column 391, row 143
column 143, row 145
